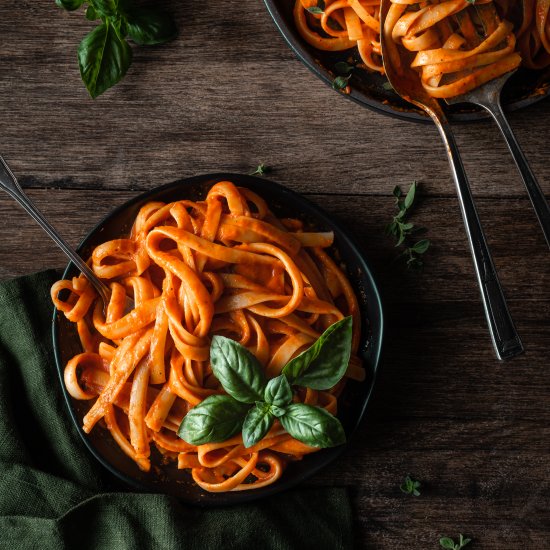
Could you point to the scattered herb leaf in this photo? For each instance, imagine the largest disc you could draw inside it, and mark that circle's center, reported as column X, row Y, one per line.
column 261, row 170
column 449, row 543
column 318, row 9
column 411, row 487
column 343, row 68
column 340, row 82
column 403, row 230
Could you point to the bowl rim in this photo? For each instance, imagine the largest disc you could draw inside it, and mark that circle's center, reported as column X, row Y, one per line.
column 375, row 353
column 413, row 115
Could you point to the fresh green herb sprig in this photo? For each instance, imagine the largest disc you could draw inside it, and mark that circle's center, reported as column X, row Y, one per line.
column 253, row 403
column 449, row 543
column 411, row 486
column 261, row 170
column 104, row 54
column 403, row 230
column 344, row 70
column 319, row 9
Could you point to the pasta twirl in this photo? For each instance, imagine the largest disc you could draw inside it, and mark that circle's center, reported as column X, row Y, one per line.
column 227, row 266
column 457, row 44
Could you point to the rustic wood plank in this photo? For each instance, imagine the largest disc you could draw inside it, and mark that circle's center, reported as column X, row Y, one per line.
column 474, row 431
column 226, row 95
column 229, row 94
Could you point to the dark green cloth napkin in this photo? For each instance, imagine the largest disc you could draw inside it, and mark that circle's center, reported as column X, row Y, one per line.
column 53, row 494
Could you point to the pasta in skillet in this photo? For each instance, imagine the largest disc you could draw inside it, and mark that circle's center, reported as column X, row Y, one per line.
column 458, row 44
column 223, row 266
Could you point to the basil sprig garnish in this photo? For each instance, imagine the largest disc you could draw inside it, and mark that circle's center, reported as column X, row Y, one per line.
column 104, row 54
column 253, row 403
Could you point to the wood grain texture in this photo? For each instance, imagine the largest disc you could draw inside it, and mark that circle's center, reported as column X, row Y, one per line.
column 230, row 94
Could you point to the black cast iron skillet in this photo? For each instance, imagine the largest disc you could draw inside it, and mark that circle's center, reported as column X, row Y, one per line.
column 371, row 90
column 164, row 477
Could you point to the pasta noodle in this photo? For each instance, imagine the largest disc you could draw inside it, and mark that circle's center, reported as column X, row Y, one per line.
column 227, row 266
column 457, row 44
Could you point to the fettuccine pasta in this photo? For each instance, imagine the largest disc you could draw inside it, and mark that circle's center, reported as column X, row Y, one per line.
column 226, row 266
column 458, row 44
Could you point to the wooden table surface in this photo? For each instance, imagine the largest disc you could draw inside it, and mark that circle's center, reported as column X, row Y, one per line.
column 229, row 94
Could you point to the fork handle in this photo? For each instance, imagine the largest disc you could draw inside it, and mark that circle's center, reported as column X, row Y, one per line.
column 506, row 341
column 9, row 183
column 538, row 200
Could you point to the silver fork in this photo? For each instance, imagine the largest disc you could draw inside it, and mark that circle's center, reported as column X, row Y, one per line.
column 9, row 183
column 488, row 97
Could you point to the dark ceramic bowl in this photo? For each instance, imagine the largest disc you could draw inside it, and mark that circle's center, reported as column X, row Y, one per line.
column 371, row 90
column 165, row 477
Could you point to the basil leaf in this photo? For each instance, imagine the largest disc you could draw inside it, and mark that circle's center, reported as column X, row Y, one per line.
column 215, row 419
column 277, row 411
column 409, row 198
column 257, row 423
column 106, row 7
column 340, row 82
column 91, row 14
column 103, row 58
column 421, row 246
column 313, row 426
column 147, row 26
column 343, row 68
column 69, row 5
column 278, row 391
column 238, row 371
column 322, row 365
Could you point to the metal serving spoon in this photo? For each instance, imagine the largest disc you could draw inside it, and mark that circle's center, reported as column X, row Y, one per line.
column 406, row 82
column 9, row 183
column 488, row 97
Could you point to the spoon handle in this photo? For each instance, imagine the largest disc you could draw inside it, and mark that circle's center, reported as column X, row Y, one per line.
column 538, row 200
column 10, row 185
column 505, row 338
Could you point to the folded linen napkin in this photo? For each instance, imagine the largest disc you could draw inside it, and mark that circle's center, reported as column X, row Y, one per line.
column 54, row 494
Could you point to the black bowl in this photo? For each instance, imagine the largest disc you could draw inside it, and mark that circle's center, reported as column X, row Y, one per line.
column 371, row 89
column 165, row 477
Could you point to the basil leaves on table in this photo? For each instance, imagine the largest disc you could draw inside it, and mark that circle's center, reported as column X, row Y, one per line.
column 104, row 54
column 253, row 403
column 104, row 58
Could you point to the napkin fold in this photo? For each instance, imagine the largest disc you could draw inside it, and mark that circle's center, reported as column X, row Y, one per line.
column 54, row 494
